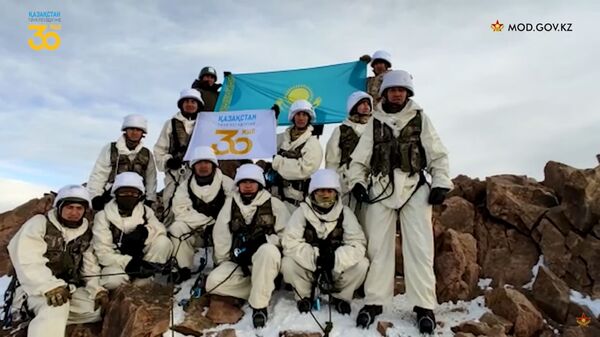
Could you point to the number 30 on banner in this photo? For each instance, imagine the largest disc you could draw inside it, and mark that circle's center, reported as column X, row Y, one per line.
column 232, row 143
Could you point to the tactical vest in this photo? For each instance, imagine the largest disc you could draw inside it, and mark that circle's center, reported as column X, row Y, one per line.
column 405, row 152
column 295, row 153
column 347, row 143
column 211, row 208
column 117, row 234
column 335, row 237
column 263, row 222
column 121, row 163
column 179, row 139
column 65, row 260
column 300, row 185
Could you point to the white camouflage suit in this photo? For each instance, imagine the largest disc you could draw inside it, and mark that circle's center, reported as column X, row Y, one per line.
column 157, row 246
column 415, row 212
column 98, row 181
column 299, row 260
column 266, row 261
column 161, row 155
column 297, row 169
column 27, row 249
column 187, row 219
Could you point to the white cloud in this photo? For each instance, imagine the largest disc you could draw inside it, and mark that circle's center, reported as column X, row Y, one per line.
column 16, row 193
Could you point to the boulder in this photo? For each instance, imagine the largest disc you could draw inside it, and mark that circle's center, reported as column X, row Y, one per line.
column 458, row 214
column 516, row 308
column 224, row 310
column 551, row 294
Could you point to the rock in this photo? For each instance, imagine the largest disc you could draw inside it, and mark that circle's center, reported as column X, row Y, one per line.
column 138, row 311
column 596, row 231
column 581, row 195
column 491, row 319
column 576, row 311
column 473, row 190
column 194, row 322
column 229, row 167
column 505, row 255
column 556, row 175
column 399, row 285
column 456, row 268
column 590, row 253
column 480, row 328
column 518, row 201
column 11, row 221
column 553, row 246
column 551, row 294
column 221, row 333
column 382, row 327
column 464, row 334
column 289, row 333
column 577, row 276
column 458, row 214
column 87, row 330
column 224, row 310
column 516, row 308
column 399, row 259
column 556, row 215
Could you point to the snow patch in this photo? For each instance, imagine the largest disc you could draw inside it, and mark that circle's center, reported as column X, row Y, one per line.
column 586, row 300
column 534, row 271
column 484, row 283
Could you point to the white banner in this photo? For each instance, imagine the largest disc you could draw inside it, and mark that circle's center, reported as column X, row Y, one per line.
column 246, row 134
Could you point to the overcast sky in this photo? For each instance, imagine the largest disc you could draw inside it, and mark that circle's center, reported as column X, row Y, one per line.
column 504, row 102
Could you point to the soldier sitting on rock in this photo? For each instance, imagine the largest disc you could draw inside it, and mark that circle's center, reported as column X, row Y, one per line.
column 52, row 255
column 196, row 204
column 246, row 240
column 324, row 245
column 129, row 240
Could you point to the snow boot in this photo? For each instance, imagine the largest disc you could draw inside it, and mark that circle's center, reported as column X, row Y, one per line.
column 341, row 306
column 304, row 305
column 366, row 315
column 425, row 320
column 259, row 317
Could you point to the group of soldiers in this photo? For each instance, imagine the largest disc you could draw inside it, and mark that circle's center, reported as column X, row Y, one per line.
column 330, row 229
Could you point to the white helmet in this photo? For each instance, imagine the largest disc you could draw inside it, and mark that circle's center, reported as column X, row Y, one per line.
column 190, row 93
column 135, row 121
column 301, row 105
column 203, row 153
column 355, row 97
column 251, row 172
column 382, row 55
column 325, row 178
column 398, row 78
column 73, row 192
column 128, row 179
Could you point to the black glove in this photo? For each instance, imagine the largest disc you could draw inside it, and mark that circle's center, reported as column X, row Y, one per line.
column 437, row 195
column 133, row 243
column 360, row 192
column 98, row 203
column 365, row 58
column 174, row 163
column 276, row 109
column 326, row 258
column 139, row 268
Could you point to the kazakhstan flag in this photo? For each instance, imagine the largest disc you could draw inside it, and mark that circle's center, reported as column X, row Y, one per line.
column 327, row 88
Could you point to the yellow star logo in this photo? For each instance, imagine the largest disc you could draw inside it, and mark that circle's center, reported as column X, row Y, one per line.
column 583, row 320
column 497, row 26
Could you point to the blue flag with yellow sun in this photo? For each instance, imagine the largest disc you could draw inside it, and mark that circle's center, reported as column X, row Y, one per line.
column 327, row 88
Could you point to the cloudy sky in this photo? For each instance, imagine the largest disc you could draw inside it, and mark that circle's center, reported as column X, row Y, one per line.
column 504, row 102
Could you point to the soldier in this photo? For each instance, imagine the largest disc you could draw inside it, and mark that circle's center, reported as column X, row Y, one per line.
column 127, row 154
column 208, row 87
column 345, row 137
column 381, row 64
column 129, row 240
column 246, row 240
column 324, row 245
column 388, row 170
column 196, row 205
column 173, row 142
column 52, row 256
column 299, row 155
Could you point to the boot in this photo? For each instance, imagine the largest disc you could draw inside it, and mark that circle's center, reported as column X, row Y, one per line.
column 425, row 320
column 182, row 275
column 366, row 315
column 341, row 306
column 259, row 317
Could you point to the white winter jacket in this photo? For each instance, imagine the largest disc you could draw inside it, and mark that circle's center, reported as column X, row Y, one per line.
column 400, row 190
column 27, row 249
column 333, row 154
column 98, row 181
column 182, row 203
column 354, row 242
column 161, row 148
column 105, row 248
column 222, row 237
column 301, row 168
